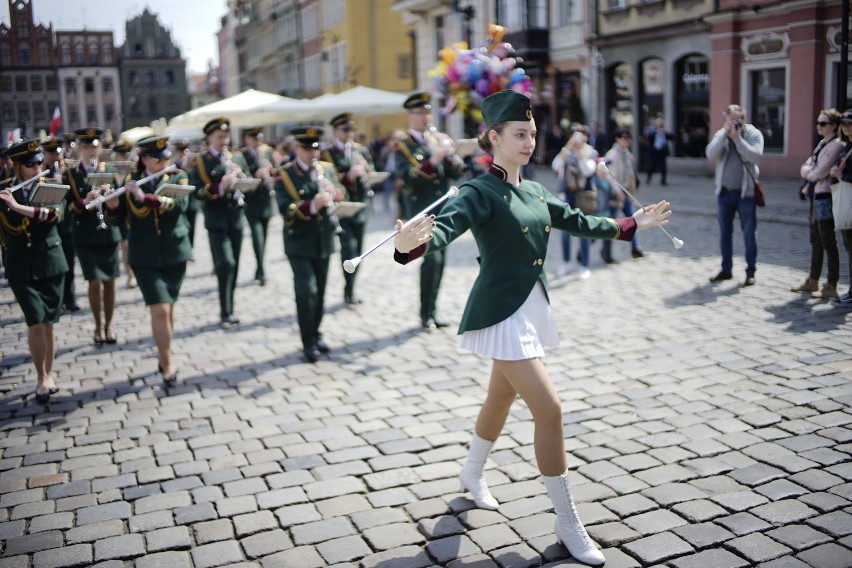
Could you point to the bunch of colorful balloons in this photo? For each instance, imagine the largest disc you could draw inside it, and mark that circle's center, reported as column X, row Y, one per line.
column 466, row 76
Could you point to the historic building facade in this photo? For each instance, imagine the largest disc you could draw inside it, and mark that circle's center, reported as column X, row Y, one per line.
column 153, row 73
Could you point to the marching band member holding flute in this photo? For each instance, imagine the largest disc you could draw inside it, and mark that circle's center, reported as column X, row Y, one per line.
column 158, row 240
column 306, row 191
column 96, row 244
column 353, row 162
column 213, row 175
column 35, row 264
column 255, row 157
column 54, row 159
column 507, row 317
column 425, row 168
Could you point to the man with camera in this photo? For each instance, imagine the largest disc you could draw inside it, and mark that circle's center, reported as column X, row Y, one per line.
column 736, row 147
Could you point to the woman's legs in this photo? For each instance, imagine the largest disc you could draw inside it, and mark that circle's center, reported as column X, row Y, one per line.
column 95, row 303
column 161, row 327
column 40, row 340
column 109, row 306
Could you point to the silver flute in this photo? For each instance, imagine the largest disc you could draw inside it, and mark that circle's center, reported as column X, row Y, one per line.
column 102, row 226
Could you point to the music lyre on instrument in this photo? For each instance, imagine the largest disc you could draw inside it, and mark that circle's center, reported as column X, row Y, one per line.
column 319, row 177
column 231, row 167
column 100, row 200
column 351, row 264
column 93, row 178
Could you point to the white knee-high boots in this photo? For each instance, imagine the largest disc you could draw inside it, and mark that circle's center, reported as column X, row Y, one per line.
column 472, row 476
column 569, row 530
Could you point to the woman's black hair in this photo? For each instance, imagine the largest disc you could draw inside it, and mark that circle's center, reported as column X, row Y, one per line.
column 483, row 140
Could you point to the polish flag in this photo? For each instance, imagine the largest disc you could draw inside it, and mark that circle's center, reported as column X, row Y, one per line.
column 55, row 122
column 14, row 136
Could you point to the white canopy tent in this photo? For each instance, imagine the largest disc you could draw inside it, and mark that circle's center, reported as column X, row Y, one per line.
column 243, row 110
column 134, row 135
column 360, row 101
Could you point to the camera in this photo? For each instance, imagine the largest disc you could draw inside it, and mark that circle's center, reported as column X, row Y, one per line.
column 737, row 123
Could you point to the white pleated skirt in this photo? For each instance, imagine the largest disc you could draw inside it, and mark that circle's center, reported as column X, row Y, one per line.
column 523, row 335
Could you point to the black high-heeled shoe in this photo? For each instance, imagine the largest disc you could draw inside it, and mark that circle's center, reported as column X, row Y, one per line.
column 111, row 339
column 42, row 398
column 171, row 379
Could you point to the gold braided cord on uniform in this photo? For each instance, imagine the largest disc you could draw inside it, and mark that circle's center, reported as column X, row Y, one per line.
column 14, row 230
column 294, row 194
column 202, row 173
column 406, row 151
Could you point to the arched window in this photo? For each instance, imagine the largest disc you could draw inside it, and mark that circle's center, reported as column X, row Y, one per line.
column 79, row 53
column 65, row 53
column 106, row 52
column 94, row 53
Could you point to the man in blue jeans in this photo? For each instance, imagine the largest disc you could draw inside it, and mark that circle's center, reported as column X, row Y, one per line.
column 736, row 147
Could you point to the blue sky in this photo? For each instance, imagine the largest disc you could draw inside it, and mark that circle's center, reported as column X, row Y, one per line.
column 193, row 24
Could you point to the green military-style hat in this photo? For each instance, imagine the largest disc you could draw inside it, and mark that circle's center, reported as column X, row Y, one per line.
column 506, row 105
column 154, row 147
column 220, row 123
column 308, row 136
column 91, row 135
column 418, row 100
column 51, row 145
column 25, row 151
column 122, row 147
column 253, row 132
column 342, row 119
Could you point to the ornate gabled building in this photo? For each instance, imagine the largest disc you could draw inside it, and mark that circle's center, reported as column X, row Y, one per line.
column 28, row 86
column 153, row 73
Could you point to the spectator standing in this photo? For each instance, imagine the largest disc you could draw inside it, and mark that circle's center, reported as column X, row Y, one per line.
column 597, row 138
column 736, row 147
column 816, row 171
column 622, row 165
column 658, row 139
column 843, row 171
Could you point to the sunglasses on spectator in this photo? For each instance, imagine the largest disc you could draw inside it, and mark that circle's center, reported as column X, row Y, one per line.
column 346, row 128
column 821, row 123
column 32, row 164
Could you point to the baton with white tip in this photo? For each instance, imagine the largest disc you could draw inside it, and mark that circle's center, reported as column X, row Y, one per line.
column 351, row 264
column 678, row 244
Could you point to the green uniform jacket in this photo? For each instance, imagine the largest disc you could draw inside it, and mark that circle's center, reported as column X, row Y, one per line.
column 155, row 239
column 260, row 203
column 357, row 190
column 220, row 212
column 85, row 225
column 33, row 248
column 511, row 226
column 305, row 234
column 424, row 183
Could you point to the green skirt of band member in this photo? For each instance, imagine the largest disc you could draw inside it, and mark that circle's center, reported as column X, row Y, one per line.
column 160, row 285
column 40, row 300
column 99, row 262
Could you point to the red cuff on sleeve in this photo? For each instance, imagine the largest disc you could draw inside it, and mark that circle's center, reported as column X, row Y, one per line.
column 427, row 167
column 305, row 208
column 214, row 190
column 628, row 228
column 406, row 257
column 151, row 200
column 347, row 180
column 80, row 205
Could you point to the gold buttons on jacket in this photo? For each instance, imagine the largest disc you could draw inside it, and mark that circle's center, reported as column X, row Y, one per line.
column 526, row 229
column 538, row 262
column 547, row 228
column 506, row 198
column 541, row 198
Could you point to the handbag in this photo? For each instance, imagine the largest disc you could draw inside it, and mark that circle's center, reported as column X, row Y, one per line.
column 841, row 201
column 587, row 200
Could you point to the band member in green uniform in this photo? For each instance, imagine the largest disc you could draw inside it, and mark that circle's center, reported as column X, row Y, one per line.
column 55, row 160
column 508, row 317
column 35, row 265
column 305, row 191
column 159, row 242
column 95, row 242
column 213, row 174
column 121, row 153
column 425, row 168
column 183, row 158
column 353, row 162
column 255, row 157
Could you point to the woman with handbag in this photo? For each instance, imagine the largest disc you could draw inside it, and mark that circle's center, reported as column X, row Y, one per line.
column 843, row 172
column 816, row 170
column 507, row 317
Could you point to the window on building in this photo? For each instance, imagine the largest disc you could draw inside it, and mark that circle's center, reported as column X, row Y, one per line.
column 768, row 106
column 70, row 86
column 43, row 53
column 106, row 53
column 106, row 84
column 5, row 83
column 404, row 65
column 9, row 112
column 312, row 73
column 109, row 113
column 24, row 111
column 65, row 53
column 36, row 83
column 168, row 77
column 522, row 14
column 161, row 50
column 310, row 22
column 89, row 84
column 137, row 49
column 134, row 77
column 91, row 114
column 23, row 31
column 149, row 77
column 25, row 57
column 152, row 104
column 615, row 4
column 38, row 112
column 439, row 33
column 333, row 13
column 79, row 53
column 135, row 109
column 51, row 83
column 171, row 105
column 21, row 83
column 5, row 56
column 94, row 53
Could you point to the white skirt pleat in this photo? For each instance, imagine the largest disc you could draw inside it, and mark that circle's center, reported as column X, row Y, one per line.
column 523, row 335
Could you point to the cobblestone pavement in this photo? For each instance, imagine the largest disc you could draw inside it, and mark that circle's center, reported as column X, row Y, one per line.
column 707, row 426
